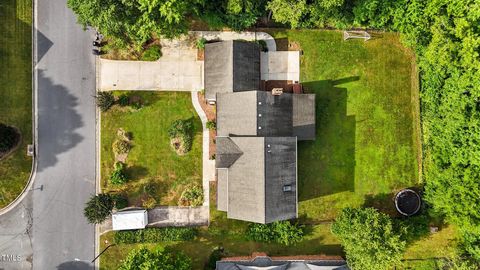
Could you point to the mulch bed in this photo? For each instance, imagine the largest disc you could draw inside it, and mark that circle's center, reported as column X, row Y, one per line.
column 4, row 155
column 211, row 115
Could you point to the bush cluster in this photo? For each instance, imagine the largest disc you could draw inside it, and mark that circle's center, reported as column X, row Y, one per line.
column 282, row 232
column 153, row 53
column 191, row 196
column 123, row 100
column 211, row 125
column 105, row 100
column 99, row 207
column 8, row 138
column 201, row 43
column 155, row 235
column 118, row 176
column 183, row 130
column 121, row 147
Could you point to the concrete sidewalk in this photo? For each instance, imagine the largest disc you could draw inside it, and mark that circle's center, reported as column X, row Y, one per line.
column 229, row 35
column 170, row 216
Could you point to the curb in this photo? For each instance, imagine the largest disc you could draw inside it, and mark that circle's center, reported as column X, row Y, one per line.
column 33, row 171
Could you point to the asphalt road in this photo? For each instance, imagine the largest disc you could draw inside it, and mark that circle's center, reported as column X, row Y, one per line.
column 62, row 238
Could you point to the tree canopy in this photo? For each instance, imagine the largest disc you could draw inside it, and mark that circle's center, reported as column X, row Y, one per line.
column 369, row 239
column 157, row 259
column 99, row 207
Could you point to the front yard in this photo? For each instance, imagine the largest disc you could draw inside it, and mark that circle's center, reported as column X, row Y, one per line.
column 152, row 167
column 367, row 148
column 16, row 93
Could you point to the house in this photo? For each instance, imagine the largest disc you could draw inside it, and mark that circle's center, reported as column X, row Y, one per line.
column 257, row 134
column 262, row 261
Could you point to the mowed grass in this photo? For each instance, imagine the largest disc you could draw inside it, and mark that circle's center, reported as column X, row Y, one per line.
column 367, row 146
column 151, row 159
column 16, row 92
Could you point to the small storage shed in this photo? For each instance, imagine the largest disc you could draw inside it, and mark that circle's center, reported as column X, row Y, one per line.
column 129, row 220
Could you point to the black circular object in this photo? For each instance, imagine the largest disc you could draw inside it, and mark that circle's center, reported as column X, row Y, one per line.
column 407, row 202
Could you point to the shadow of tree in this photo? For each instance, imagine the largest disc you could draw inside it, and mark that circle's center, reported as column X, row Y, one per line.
column 75, row 265
column 57, row 121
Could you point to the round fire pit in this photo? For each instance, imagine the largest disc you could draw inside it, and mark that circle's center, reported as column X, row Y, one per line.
column 407, row 202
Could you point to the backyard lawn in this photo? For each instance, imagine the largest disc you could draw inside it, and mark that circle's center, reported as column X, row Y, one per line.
column 152, row 166
column 367, row 147
column 16, row 92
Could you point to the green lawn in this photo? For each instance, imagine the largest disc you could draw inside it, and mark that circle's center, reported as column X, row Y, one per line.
column 367, row 147
column 152, row 160
column 16, row 92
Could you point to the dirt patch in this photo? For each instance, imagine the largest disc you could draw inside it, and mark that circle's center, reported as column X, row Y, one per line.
column 178, row 146
column 18, row 142
column 294, row 46
column 200, row 55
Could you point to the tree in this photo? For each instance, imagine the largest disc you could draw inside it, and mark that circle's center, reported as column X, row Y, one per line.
column 105, row 100
column 145, row 259
column 8, row 138
column 368, row 238
column 134, row 22
column 288, row 11
column 241, row 14
column 99, row 207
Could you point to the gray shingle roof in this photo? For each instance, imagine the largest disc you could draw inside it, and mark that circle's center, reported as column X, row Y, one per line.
column 227, row 152
column 259, row 113
column 267, row 263
column 231, row 66
column 280, row 171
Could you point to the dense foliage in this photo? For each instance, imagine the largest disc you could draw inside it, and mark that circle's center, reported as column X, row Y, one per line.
column 153, row 53
column 182, row 130
column 105, row 100
column 282, row 232
column 118, row 176
column 369, row 239
column 211, row 125
column 8, row 138
column 155, row 235
column 99, row 207
column 157, row 259
column 191, row 196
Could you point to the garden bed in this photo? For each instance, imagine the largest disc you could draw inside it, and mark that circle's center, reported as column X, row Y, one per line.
column 156, row 174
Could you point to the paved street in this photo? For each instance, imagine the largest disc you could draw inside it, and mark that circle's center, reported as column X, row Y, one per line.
column 62, row 239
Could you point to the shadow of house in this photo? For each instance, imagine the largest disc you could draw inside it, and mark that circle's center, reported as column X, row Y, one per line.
column 43, row 45
column 58, row 121
column 327, row 165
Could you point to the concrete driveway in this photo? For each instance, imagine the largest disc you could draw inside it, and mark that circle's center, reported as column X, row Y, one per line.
column 177, row 70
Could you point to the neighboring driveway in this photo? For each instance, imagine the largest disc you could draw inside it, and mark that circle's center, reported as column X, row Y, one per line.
column 177, row 70
column 65, row 77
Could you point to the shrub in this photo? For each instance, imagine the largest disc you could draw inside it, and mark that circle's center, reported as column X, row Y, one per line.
column 156, row 259
column 153, row 53
column 369, row 239
column 182, row 130
column 98, row 208
column 118, row 176
column 120, row 201
column 201, row 43
column 150, row 189
column 105, row 100
column 123, row 100
column 191, row 196
column 8, row 138
column 149, row 203
column 263, row 45
column 121, row 147
column 216, row 255
column 211, row 125
column 282, row 232
column 155, row 235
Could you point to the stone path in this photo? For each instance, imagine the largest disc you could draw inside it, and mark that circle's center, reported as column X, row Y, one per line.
column 228, row 35
column 170, row 216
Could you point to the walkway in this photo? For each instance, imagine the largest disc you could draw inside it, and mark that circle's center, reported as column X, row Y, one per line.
column 208, row 166
column 228, row 35
column 170, row 216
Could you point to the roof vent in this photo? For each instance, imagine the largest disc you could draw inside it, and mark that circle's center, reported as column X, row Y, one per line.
column 287, row 188
column 259, row 127
column 259, row 115
column 277, row 91
column 259, row 103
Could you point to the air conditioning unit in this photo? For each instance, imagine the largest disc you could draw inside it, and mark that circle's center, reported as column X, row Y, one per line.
column 277, row 91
